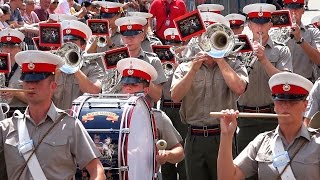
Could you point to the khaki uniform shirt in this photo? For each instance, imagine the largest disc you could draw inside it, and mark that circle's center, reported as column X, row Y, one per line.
column 209, row 92
column 16, row 83
column 148, row 42
column 166, row 94
column 165, row 129
column 301, row 63
column 67, row 145
column 313, row 100
column 257, row 156
column 258, row 92
column 68, row 86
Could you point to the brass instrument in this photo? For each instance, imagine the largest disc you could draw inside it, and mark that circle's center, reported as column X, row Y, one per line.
column 168, row 68
column 71, row 54
column 111, row 82
column 102, row 41
column 218, row 41
column 249, row 58
column 282, row 35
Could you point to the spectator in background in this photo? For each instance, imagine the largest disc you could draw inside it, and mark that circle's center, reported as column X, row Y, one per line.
column 29, row 17
column 5, row 17
column 15, row 18
column 74, row 7
column 164, row 11
column 42, row 10
column 53, row 6
column 63, row 7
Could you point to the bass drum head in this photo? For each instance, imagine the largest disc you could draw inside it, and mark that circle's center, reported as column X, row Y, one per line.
column 140, row 141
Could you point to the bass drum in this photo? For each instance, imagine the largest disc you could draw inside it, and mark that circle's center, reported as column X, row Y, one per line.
column 123, row 130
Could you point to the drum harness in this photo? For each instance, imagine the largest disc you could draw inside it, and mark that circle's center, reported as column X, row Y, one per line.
column 26, row 146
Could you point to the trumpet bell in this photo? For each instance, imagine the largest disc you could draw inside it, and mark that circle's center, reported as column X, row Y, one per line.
column 168, row 68
column 102, row 41
column 70, row 52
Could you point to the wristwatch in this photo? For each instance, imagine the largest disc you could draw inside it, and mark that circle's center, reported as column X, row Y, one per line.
column 300, row 41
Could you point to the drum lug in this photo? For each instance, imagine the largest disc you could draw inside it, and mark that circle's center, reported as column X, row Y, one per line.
column 124, row 168
column 125, row 130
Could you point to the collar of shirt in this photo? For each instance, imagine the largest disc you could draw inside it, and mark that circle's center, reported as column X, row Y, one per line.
column 303, row 132
column 52, row 113
column 141, row 55
column 270, row 43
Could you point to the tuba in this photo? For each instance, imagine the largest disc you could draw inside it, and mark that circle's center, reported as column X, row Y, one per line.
column 71, row 54
column 218, row 41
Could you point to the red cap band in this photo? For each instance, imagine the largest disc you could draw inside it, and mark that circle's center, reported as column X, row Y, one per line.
column 316, row 24
column 11, row 39
column 38, row 67
column 136, row 73
column 259, row 14
column 294, row 1
column 110, row 10
column 288, row 89
column 74, row 32
column 173, row 37
column 236, row 22
column 137, row 27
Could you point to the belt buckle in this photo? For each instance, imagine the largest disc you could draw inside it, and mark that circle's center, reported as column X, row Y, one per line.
column 205, row 131
column 257, row 109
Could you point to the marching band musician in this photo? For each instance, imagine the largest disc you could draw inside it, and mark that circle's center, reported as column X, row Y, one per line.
column 313, row 103
column 110, row 11
column 12, row 42
column 149, row 39
column 59, row 141
column 289, row 152
column 206, row 84
column 271, row 58
column 131, row 30
column 214, row 8
column 169, row 171
column 136, row 77
column 305, row 45
column 236, row 22
column 87, row 79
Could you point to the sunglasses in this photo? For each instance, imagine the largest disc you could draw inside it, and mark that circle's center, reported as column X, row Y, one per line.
column 55, row 2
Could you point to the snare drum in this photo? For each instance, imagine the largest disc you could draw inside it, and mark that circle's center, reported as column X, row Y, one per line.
column 123, row 129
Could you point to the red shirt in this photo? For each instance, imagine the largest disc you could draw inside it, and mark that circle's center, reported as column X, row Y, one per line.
column 159, row 11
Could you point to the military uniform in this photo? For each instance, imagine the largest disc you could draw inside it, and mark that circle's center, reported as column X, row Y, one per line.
column 300, row 61
column 68, row 86
column 209, row 92
column 313, row 101
column 116, row 40
column 257, row 97
column 149, row 41
column 61, row 141
column 257, row 156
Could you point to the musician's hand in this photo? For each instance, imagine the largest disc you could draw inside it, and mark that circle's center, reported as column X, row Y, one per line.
column 162, row 156
column 296, row 32
column 259, row 51
column 7, row 95
column 228, row 122
column 197, row 62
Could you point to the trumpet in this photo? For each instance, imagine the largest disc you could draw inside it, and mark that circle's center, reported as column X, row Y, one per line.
column 168, row 68
column 102, row 41
column 250, row 58
column 218, row 41
column 71, row 53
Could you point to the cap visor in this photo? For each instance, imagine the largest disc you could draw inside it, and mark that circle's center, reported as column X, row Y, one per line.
column 108, row 15
column 288, row 97
column 131, row 80
column 130, row 33
column 261, row 20
column 70, row 37
column 294, row 5
column 29, row 77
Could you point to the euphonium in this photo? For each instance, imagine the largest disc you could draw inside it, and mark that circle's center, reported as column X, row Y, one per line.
column 218, row 41
column 282, row 35
column 71, row 53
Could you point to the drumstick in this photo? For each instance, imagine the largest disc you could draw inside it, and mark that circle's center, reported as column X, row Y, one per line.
column 251, row 115
column 14, row 90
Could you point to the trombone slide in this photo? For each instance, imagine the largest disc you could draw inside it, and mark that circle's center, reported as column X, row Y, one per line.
column 251, row 115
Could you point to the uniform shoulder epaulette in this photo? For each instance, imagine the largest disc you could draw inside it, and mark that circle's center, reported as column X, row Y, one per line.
column 313, row 131
column 151, row 54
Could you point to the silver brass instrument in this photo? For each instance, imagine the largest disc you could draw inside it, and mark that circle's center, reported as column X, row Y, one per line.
column 168, row 68
column 102, row 41
column 71, row 53
column 111, row 82
column 282, row 35
column 218, row 41
column 249, row 58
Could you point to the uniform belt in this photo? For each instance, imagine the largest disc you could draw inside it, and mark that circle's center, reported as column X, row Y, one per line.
column 258, row 109
column 205, row 130
column 170, row 104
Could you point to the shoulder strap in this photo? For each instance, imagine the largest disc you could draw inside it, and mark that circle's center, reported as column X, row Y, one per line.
column 13, row 70
column 26, row 147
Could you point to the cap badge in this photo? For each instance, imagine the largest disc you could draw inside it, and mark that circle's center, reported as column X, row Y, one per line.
column 106, row 10
column 294, row 0
column 130, row 71
column 129, row 27
column 260, row 14
column 172, row 36
column 233, row 21
column 31, row 66
column 207, row 23
column 8, row 38
column 68, row 31
column 286, row 87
